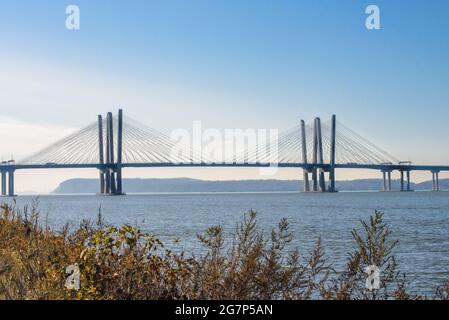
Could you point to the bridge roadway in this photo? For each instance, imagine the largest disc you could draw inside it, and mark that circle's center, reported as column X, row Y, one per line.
column 7, row 170
column 310, row 166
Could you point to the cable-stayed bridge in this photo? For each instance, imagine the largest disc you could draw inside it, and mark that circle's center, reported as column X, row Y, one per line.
column 113, row 143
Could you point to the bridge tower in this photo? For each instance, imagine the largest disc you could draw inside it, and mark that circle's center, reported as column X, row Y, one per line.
column 119, row 152
column 318, row 165
column 322, row 181
column 315, row 157
column 304, row 157
column 318, row 179
column 110, row 170
column 101, row 154
column 110, row 156
column 332, row 154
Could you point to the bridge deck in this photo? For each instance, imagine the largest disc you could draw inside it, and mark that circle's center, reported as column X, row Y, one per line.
column 382, row 167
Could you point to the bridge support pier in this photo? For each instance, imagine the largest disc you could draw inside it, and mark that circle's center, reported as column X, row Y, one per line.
column 7, row 183
column 435, row 181
column 408, row 181
column 402, row 180
column 113, row 190
column 3, row 183
column 386, row 177
column 107, row 180
column 11, row 183
column 389, row 180
column 102, row 182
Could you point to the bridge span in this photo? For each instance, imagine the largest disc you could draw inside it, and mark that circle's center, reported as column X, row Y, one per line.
column 319, row 149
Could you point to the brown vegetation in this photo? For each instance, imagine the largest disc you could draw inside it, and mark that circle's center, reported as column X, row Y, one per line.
column 126, row 263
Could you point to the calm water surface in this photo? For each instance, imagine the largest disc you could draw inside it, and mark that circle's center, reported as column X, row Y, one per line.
column 420, row 220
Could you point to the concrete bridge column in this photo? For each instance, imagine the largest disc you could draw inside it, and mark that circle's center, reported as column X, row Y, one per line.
column 110, row 170
column 315, row 158
column 107, row 170
column 3, row 183
column 408, row 180
column 384, row 176
column 437, row 178
column 119, row 190
column 102, row 182
column 314, row 179
column 112, row 184
column 402, row 180
column 101, row 154
column 107, row 179
column 320, row 156
column 11, row 183
column 389, row 180
column 304, row 156
column 332, row 155
column 435, row 181
column 113, row 190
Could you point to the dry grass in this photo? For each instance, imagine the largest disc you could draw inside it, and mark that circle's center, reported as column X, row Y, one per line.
column 126, row 263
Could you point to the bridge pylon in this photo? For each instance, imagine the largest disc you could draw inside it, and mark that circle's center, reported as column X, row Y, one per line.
column 320, row 156
column 332, row 153
column 304, row 157
column 109, row 166
column 101, row 154
column 318, row 167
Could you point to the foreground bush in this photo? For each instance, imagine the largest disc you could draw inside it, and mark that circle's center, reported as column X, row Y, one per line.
column 126, row 263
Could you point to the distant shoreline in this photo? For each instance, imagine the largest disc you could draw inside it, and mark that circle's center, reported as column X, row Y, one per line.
column 201, row 193
column 196, row 186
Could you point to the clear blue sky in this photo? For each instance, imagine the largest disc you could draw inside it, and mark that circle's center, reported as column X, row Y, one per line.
column 234, row 64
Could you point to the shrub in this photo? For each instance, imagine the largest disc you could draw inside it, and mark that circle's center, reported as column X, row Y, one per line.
column 126, row 263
